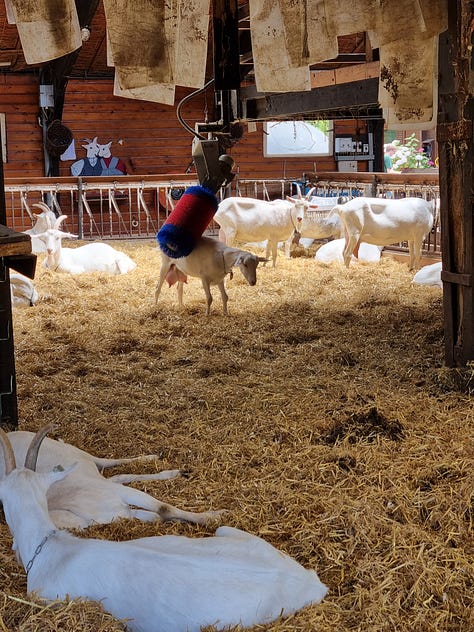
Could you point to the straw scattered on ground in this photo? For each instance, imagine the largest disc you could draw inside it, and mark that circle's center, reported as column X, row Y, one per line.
column 319, row 413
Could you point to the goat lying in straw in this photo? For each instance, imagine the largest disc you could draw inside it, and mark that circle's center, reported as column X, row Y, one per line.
column 86, row 497
column 93, row 257
column 171, row 583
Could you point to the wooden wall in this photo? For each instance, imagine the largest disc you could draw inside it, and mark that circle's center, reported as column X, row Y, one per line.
column 153, row 140
column 19, row 103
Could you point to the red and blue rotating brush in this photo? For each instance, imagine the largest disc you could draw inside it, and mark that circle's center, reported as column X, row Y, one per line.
column 187, row 222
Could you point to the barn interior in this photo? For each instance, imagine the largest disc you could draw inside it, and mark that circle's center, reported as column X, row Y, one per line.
column 354, row 463
column 311, row 65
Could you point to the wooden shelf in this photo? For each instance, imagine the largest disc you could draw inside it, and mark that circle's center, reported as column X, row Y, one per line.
column 13, row 243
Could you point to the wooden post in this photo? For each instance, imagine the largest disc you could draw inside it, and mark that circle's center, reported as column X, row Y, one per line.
column 226, row 59
column 456, row 158
column 58, row 72
column 226, row 45
column 376, row 126
column 8, row 401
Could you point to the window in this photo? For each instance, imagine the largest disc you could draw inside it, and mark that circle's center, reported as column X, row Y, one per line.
column 297, row 138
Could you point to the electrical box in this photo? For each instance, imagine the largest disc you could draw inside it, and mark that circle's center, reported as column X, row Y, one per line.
column 347, row 165
column 343, row 145
column 349, row 148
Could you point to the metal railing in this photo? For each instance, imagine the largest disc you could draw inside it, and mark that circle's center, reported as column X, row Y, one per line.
column 136, row 207
column 97, row 208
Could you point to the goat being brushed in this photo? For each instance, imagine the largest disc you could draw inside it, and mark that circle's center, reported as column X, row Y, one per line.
column 166, row 583
column 86, row 497
column 211, row 261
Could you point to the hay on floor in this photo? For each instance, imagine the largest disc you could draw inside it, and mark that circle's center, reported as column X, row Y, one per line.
column 318, row 413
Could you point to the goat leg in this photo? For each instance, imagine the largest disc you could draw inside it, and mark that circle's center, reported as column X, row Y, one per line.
column 164, row 511
column 164, row 475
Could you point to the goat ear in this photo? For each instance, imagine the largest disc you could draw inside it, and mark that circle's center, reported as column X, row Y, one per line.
column 58, row 473
column 263, row 259
column 231, row 259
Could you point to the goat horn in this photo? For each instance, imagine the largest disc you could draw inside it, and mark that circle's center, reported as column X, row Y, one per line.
column 59, row 221
column 32, row 454
column 41, row 205
column 8, row 454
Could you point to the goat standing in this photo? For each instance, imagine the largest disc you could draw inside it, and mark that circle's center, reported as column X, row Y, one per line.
column 167, row 583
column 211, row 261
column 251, row 220
column 382, row 222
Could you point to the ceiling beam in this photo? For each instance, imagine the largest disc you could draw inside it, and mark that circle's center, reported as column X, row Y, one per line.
column 344, row 98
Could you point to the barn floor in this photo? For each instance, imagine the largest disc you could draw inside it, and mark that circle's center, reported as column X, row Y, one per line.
column 318, row 413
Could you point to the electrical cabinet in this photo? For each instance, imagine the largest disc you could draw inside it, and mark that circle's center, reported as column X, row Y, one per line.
column 349, row 148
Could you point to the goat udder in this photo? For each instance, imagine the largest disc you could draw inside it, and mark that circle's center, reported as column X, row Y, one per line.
column 174, row 275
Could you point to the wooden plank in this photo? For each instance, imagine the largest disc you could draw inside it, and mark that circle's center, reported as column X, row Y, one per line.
column 458, row 279
column 357, row 72
column 13, row 243
column 456, row 156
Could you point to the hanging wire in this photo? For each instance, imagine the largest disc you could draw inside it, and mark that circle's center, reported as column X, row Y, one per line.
column 185, row 100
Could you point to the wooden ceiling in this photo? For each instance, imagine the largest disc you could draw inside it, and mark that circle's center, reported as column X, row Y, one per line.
column 91, row 60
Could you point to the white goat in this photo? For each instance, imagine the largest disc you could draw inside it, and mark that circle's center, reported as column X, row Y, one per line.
column 44, row 220
column 22, row 290
column 250, row 220
column 95, row 257
column 332, row 252
column 382, row 222
column 321, row 223
column 430, row 275
column 211, row 261
column 86, row 497
column 167, row 583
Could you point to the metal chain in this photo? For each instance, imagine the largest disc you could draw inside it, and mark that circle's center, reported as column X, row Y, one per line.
column 39, row 549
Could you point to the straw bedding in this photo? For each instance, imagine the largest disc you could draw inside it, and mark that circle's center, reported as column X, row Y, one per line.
column 318, row 413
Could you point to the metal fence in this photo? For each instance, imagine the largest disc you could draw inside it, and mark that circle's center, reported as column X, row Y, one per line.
column 97, row 208
column 136, row 207
column 424, row 184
